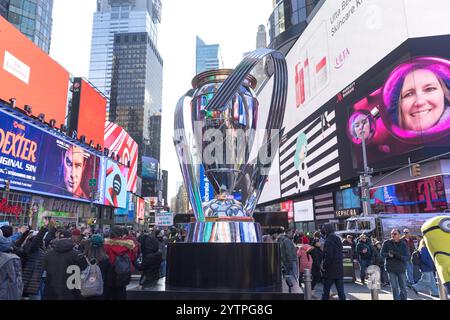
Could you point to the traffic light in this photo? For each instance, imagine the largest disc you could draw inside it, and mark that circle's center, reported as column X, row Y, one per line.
column 415, row 169
column 7, row 184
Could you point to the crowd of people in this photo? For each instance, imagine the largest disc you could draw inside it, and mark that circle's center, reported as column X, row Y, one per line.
column 42, row 264
column 67, row 263
column 402, row 264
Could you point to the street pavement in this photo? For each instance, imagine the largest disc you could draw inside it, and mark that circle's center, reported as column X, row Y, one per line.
column 353, row 291
column 358, row 291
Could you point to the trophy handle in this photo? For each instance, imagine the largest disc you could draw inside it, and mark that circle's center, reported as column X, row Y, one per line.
column 185, row 160
column 276, row 111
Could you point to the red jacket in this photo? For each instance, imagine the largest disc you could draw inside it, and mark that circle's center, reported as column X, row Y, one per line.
column 118, row 247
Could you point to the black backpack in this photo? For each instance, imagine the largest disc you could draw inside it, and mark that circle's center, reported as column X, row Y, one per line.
column 122, row 268
column 415, row 258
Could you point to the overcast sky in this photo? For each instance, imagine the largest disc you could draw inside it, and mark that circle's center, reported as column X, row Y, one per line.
column 231, row 23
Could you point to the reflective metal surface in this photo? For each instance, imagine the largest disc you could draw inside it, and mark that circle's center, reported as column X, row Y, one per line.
column 224, row 231
column 224, row 115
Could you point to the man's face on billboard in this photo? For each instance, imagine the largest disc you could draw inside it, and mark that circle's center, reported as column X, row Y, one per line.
column 73, row 168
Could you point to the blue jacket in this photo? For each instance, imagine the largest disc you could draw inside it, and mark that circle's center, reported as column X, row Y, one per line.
column 5, row 244
column 426, row 262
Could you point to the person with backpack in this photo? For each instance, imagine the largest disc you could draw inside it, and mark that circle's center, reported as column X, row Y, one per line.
column 427, row 282
column 98, row 275
column 121, row 256
column 56, row 264
column 151, row 260
column 11, row 286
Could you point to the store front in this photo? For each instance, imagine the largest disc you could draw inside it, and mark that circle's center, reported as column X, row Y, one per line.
column 304, row 216
column 15, row 208
column 347, row 203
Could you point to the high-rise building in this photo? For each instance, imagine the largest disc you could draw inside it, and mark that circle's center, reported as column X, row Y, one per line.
column 208, row 56
column 119, row 16
column 32, row 17
column 261, row 42
column 136, row 91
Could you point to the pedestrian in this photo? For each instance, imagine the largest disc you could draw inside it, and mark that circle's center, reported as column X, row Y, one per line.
column 304, row 260
column 396, row 254
column 77, row 239
column 378, row 260
column 332, row 264
column 411, row 248
column 11, row 286
column 121, row 256
column 95, row 253
column 267, row 238
column 365, row 256
column 302, row 238
column 162, row 240
column 6, row 245
column 151, row 260
column 33, row 249
column 427, row 282
column 56, row 264
column 415, row 260
column 289, row 258
column 317, row 257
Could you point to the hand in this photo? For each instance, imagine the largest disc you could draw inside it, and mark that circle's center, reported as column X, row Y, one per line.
column 364, row 250
column 23, row 229
column 391, row 254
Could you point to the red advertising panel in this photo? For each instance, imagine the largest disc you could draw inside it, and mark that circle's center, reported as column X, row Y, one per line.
column 140, row 209
column 288, row 206
column 28, row 74
column 91, row 113
column 117, row 140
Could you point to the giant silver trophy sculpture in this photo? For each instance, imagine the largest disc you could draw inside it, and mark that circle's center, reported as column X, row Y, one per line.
column 224, row 116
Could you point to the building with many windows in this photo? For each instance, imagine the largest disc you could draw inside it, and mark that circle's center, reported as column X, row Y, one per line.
column 208, row 56
column 119, row 16
column 136, row 91
column 32, row 17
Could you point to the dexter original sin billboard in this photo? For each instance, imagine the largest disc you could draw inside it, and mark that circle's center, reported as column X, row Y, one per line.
column 37, row 161
column 30, row 76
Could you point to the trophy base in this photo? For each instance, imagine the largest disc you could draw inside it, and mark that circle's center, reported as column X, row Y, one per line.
column 224, row 266
column 224, row 232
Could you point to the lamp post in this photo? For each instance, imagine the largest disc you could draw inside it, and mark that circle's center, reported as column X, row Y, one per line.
column 365, row 179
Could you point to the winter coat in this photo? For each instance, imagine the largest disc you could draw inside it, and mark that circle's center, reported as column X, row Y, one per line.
column 5, row 244
column 56, row 263
column 304, row 259
column 152, row 258
column 317, row 257
column 288, row 249
column 426, row 262
column 352, row 244
column 359, row 250
column 333, row 259
column 107, row 271
column 397, row 264
column 33, row 253
column 377, row 258
column 11, row 285
column 119, row 247
column 409, row 244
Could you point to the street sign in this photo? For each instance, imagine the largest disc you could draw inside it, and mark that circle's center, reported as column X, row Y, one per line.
column 92, row 182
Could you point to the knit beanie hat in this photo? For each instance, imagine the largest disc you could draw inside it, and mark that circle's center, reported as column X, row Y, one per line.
column 97, row 240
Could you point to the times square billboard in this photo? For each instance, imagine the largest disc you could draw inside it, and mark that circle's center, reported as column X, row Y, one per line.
column 35, row 160
column 361, row 60
column 30, row 76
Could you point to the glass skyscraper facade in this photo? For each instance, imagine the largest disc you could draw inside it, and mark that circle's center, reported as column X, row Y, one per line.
column 136, row 90
column 118, row 16
column 32, row 17
column 208, row 56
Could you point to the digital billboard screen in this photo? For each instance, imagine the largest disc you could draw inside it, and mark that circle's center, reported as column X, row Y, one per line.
column 88, row 113
column 118, row 140
column 150, row 168
column 37, row 161
column 115, row 184
column 28, row 74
